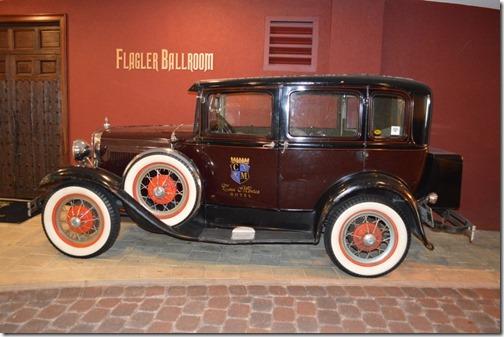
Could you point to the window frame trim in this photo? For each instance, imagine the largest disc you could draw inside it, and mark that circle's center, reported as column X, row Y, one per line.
column 206, row 135
column 317, row 139
column 407, row 117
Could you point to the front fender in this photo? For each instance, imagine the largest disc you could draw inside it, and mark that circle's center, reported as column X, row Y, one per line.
column 112, row 183
column 373, row 183
column 93, row 175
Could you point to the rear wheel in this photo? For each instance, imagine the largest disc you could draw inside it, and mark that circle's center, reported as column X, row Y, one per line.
column 81, row 220
column 366, row 236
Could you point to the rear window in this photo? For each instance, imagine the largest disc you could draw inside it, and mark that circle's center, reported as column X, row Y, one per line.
column 388, row 117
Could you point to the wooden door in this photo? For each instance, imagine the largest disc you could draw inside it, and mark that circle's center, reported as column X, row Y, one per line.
column 33, row 121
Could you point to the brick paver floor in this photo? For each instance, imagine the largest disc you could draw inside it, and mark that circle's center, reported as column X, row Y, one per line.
column 251, row 309
column 201, row 287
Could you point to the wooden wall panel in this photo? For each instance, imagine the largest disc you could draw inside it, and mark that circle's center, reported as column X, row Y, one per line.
column 3, row 69
column 32, row 122
column 7, row 142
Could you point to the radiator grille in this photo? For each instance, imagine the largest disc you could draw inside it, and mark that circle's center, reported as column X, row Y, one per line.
column 116, row 161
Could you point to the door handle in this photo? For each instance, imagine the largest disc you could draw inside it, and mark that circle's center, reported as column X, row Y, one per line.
column 270, row 145
column 285, row 145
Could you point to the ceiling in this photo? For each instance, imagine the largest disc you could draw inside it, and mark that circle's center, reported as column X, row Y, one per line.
column 493, row 4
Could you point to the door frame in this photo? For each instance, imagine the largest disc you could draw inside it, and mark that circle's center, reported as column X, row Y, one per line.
column 62, row 21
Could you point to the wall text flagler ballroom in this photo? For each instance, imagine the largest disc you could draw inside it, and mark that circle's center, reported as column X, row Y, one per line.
column 164, row 60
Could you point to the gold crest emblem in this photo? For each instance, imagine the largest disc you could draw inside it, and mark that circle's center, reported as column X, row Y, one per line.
column 240, row 169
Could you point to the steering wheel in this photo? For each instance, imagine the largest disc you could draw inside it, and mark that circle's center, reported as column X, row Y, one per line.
column 221, row 125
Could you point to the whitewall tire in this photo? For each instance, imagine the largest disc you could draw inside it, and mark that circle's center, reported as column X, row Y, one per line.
column 81, row 220
column 165, row 184
column 366, row 236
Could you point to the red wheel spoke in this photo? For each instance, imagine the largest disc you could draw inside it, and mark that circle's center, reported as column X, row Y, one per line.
column 367, row 236
column 161, row 190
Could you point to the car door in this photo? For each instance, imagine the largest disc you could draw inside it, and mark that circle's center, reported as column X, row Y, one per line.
column 239, row 148
column 323, row 143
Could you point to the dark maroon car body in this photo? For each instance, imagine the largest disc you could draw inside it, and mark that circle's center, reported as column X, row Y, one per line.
column 279, row 155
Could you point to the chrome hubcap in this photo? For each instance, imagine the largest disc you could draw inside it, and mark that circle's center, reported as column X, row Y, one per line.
column 159, row 192
column 75, row 222
column 369, row 240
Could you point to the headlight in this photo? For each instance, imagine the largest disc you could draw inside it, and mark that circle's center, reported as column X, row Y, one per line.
column 81, row 150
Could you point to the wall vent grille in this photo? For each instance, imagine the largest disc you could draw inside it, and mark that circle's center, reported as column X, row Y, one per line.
column 291, row 44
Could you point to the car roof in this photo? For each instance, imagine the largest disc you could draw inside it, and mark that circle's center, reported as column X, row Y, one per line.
column 390, row 82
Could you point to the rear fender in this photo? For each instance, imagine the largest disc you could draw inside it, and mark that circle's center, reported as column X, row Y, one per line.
column 374, row 183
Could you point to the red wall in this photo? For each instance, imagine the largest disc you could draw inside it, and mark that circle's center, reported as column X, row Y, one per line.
column 150, row 97
column 455, row 49
column 356, row 36
column 97, row 28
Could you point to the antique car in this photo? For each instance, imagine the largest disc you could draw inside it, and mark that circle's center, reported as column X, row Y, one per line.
column 293, row 160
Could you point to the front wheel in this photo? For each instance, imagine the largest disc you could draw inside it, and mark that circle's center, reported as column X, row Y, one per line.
column 81, row 220
column 166, row 184
column 366, row 236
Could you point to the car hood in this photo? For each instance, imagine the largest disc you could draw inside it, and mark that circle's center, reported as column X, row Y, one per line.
column 155, row 133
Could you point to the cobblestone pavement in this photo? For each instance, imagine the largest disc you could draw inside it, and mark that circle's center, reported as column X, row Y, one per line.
column 154, row 283
column 251, row 309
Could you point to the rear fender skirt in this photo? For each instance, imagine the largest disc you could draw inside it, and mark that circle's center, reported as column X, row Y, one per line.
column 111, row 183
column 376, row 183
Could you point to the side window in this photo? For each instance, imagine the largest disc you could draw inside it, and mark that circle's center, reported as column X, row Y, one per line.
column 388, row 117
column 240, row 113
column 324, row 114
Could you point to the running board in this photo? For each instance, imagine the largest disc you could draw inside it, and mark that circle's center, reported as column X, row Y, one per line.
column 243, row 234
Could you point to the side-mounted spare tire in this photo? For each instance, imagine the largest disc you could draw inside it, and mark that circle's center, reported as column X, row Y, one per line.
column 366, row 236
column 166, row 183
